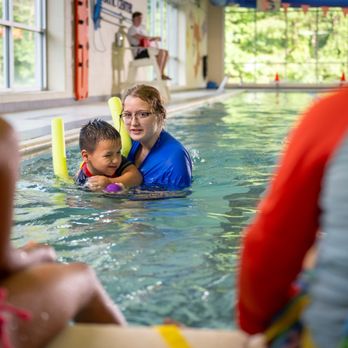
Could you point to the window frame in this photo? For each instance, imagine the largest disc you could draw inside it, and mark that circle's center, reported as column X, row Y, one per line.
column 163, row 16
column 40, row 30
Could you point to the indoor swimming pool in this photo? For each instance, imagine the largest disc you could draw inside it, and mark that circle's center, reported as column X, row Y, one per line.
column 172, row 257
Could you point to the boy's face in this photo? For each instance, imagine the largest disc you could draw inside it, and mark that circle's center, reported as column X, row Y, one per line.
column 105, row 159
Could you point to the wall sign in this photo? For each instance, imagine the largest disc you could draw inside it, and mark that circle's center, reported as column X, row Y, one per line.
column 121, row 4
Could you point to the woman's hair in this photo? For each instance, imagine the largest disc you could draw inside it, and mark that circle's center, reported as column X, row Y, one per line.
column 149, row 95
column 95, row 131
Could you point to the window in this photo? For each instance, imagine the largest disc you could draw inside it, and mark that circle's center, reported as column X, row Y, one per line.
column 162, row 18
column 22, row 45
column 301, row 47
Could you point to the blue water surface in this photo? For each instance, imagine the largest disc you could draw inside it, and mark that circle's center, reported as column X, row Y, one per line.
column 175, row 257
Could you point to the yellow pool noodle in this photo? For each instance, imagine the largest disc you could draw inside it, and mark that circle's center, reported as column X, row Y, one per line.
column 115, row 107
column 60, row 168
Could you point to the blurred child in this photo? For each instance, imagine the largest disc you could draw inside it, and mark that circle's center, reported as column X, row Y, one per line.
column 307, row 198
column 43, row 296
column 103, row 164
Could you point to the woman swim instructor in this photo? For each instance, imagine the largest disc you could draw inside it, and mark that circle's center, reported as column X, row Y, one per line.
column 162, row 160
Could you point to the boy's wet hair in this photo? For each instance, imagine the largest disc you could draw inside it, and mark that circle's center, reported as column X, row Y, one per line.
column 95, row 131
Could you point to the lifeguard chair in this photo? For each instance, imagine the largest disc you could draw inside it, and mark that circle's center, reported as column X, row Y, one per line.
column 151, row 61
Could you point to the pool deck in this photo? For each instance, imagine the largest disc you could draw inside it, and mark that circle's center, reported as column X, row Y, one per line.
column 34, row 126
column 110, row 336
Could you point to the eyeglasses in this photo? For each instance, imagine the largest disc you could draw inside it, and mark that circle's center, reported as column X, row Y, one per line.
column 140, row 115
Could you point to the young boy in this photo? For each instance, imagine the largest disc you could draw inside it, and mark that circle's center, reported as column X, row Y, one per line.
column 103, row 164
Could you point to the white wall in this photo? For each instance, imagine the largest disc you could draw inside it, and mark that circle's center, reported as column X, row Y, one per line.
column 102, row 79
column 216, row 43
column 196, row 42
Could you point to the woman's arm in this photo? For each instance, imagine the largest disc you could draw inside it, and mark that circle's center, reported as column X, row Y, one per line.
column 130, row 177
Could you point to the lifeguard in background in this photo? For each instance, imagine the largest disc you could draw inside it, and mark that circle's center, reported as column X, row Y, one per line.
column 138, row 37
column 308, row 194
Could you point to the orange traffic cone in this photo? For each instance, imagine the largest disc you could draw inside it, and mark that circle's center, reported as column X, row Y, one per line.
column 305, row 8
column 325, row 10
column 276, row 78
column 343, row 79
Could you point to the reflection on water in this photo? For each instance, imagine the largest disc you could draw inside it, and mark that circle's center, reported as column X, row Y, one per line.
column 173, row 257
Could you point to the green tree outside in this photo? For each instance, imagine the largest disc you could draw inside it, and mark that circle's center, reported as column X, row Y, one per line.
column 301, row 47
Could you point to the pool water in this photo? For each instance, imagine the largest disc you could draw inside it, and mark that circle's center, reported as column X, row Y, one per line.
column 174, row 257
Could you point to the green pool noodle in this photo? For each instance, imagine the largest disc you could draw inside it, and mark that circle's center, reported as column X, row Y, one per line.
column 115, row 107
column 60, row 168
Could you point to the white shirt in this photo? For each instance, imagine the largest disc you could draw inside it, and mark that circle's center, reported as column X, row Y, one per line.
column 132, row 31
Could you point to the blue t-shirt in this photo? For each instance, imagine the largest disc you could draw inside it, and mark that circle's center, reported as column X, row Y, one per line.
column 168, row 164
